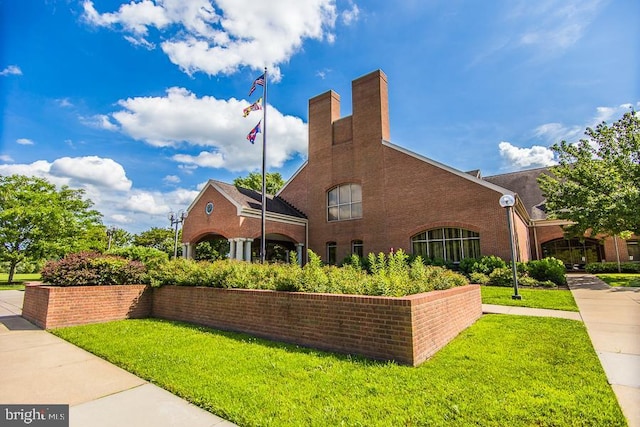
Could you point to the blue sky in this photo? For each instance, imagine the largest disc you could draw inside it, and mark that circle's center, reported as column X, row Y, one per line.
column 140, row 102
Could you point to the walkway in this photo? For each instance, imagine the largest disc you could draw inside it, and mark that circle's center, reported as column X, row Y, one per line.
column 40, row 368
column 612, row 318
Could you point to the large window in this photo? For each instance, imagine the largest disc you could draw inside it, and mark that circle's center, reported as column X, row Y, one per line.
column 574, row 253
column 451, row 244
column 344, row 202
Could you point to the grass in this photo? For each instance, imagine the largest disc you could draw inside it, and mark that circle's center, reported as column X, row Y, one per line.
column 620, row 279
column 503, row 370
column 18, row 280
column 554, row 299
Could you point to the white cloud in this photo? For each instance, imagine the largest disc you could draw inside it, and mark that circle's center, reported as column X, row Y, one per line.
column 99, row 121
column 556, row 132
column 24, row 141
column 11, row 70
column 535, row 156
column 171, row 179
column 64, row 102
column 180, row 119
column 109, row 189
column 97, row 171
column 350, row 16
column 223, row 35
column 552, row 25
column 5, row 158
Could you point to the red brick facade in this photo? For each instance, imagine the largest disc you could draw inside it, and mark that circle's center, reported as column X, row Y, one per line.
column 403, row 194
column 408, row 330
column 55, row 307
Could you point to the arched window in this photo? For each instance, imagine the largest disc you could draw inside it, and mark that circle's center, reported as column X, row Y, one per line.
column 344, row 202
column 450, row 244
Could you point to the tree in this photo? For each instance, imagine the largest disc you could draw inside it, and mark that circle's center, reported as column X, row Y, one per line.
column 159, row 238
column 117, row 238
column 253, row 181
column 596, row 185
column 38, row 221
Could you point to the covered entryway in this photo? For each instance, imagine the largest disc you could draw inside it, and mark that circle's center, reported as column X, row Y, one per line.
column 574, row 253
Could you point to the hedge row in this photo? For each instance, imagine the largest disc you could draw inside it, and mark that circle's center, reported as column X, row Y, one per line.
column 392, row 275
column 492, row 270
column 612, row 267
column 91, row 268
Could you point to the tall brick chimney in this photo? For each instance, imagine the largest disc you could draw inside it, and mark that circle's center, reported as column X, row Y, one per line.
column 370, row 99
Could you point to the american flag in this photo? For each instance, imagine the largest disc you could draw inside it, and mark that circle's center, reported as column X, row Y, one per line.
column 254, row 132
column 258, row 81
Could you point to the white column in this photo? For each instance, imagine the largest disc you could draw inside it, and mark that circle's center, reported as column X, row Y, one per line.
column 300, row 247
column 247, row 249
column 185, row 250
column 239, row 248
column 232, row 248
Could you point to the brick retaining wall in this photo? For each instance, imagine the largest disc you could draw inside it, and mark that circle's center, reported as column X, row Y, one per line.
column 408, row 330
column 55, row 307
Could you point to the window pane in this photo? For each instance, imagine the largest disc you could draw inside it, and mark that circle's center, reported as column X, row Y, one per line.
column 331, row 252
column 333, row 214
column 421, row 236
column 356, row 210
column 436, row 250
column 453, row 251
column 420, row 248
column 356, row 193
column 345, row 211
column 634, row 250
column 333, row 197
column 471, row 248
column 452, row 233
column 436, row 234
column 345, row 194
column 357, row 248
column 469, row 234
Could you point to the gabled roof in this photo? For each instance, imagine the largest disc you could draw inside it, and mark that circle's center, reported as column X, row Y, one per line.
column 525, row 183
column 250, row 200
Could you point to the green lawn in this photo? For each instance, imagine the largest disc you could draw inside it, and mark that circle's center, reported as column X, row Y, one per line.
column 554, row 299
column 502, row 371
column 18, row 280
column 622, row 279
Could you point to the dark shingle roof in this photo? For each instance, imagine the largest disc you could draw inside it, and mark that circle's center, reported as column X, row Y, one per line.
column 525, row 184
column 253, row 199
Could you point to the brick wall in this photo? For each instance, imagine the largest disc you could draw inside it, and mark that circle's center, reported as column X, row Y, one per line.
column 53, row 307
column 407, row 330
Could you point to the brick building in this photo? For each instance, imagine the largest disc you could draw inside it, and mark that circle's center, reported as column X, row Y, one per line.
column 360, row 193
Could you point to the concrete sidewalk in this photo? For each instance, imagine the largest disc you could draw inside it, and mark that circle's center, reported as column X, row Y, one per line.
column 612, row 318
column 40, row 368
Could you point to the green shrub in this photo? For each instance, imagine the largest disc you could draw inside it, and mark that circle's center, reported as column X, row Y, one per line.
column 548, row 269
column 466, row 265
column 502, row 276
column 487, row 264
column 91, row 268
column 612, row 267
column 150, row 257
column 479, row 278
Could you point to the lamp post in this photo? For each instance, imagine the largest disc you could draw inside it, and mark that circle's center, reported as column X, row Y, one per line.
column 508, row 201
column 176, row 219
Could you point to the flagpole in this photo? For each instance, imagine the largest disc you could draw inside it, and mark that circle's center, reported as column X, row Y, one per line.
column 263, row 242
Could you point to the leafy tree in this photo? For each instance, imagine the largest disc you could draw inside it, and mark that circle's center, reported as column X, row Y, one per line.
column 596, row 185
column 38, row 221
column 253, row 181
column 159, row 238
column 211, row 250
